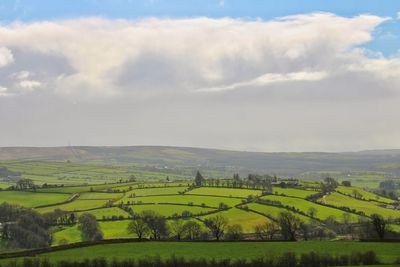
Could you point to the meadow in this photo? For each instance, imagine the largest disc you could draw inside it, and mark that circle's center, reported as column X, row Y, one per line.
column 387, row 252
column 367, row 207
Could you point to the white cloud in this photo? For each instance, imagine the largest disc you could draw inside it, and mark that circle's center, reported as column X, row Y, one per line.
column 398, row 15
column 104, row 57
column 270, row 78
column 6, row 57
column 293, row 83
column 3, row 91
column 29, row 85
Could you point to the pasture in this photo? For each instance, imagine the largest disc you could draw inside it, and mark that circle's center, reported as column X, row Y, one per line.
column 321, row 212
column 170, row 210
column 225, row 192
column 32, row 199
column 274, row 212
column 387, row 252
column 293, row 192
column 365, row 195
column 368, row 207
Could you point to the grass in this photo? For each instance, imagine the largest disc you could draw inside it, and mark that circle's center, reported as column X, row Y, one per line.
column 387, row 252
column 246, row 219
column 368, row 207
column 93, row 195
column 364, row 194
column 293, row 192
column 169, row 210
column 69, row 233
column 156, row 191
column 115, row 229
column 106, row 213
column 31, row 199
column 185, row 199
column 303, row 205
column 274, row 211
column 76, row 205
column 225, row 192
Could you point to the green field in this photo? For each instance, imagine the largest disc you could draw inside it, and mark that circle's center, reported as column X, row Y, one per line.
column 106, row 213
column 91, row 195
column 274, row 212
column 32, row 199
column 247, row 219
column 322, row 212
column 293, row 192
column 225, row 192
column 76, row 205
column 366, row 195
column 368, row 207
column 186, row 199
column 170, row 210
column 156, row 191
column 387, row 252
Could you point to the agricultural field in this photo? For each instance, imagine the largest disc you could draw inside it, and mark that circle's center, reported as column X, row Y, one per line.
column 247, row 219
column 106, row 213
column 170, row 210
column 293, row 192
column 321, row 212
column 225, row 192
column 272, row 211
column 76, row 205
column 210, row 201
column 113, row 204
column 32, row 199
column 368, row 207
column 363, row 194
column 387, row 252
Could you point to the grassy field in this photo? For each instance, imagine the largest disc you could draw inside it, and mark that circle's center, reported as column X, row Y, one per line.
column 246, row 219
column 32, row 199
column 186, row 199
column 368, row 207
column 274, row 211
column 322, row 212
column 293, row 192
column 225, row 192
column 77, row 205
column 363, row 193
column 156, row 191
column 387, row 252
column 169, row 210
column 92, row 195
column 106, row 213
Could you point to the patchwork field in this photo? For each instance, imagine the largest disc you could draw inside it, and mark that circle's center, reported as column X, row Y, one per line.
column 274, row 212
column 368, row 207
column 321, row 212
column 170, row 210
column 225, row 192
column 32, row 199
column 365, row 195
column 187, row 199
column 293, row 192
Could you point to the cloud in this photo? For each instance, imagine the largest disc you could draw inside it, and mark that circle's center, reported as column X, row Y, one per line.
column 115, row 58
column 398, row 15
column 295, row 83
column 270, row 78
column 6, row 57
column 3, row 91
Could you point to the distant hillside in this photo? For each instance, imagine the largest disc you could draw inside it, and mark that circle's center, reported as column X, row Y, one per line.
column 280, row 163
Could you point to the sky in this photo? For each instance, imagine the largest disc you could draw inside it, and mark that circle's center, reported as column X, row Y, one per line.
column 241, row 75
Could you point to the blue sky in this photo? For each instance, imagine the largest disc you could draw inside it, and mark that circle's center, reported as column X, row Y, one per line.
column 387, row 41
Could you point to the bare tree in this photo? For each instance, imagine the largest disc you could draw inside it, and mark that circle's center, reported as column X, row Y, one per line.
column 217, row 225
column 138, row 227
column 289, row 225
column 266, row 230
column 379, row 225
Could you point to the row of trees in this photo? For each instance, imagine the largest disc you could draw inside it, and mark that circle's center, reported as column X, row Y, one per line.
column 253, row 181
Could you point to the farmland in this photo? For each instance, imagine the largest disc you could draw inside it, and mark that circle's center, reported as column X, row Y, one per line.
column 115, row 203
column 235, row 250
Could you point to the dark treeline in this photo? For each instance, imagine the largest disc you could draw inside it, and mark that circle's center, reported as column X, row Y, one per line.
column 311, row 259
